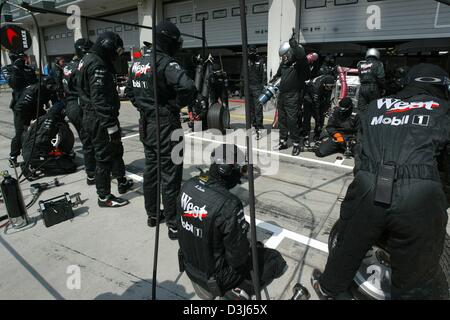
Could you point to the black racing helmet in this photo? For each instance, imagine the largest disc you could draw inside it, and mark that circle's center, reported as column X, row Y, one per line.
column 168, row 37
column 109, row 44
column 228, row 162
column 82, row 46
column 345, row 107
column 49, row 83
column 430, row 77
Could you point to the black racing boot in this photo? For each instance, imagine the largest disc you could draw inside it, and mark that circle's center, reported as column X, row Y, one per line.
column 258, row 134
column 151, row 221
column 306, row 142
column 111, row 201
column 236, row 294
column 316, row 274
column 297, row 149
column 281, row 146
column 90, row 180
column 173, row 233
column 13, row 162
column 124, row 185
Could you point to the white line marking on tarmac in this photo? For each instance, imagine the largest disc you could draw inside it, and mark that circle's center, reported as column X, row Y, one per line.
column 339, row 161
column 131, row 136
column 191, row 136
column 281, row 233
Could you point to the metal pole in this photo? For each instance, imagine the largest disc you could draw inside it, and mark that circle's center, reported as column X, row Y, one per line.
column 158, row 153
column 204, row 38
column 251, row 177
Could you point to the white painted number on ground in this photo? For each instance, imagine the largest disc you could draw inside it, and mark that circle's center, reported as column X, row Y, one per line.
column 74, row 280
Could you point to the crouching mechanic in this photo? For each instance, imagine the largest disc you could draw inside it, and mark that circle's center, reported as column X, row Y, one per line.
column 342, row 128
column 48, row 145
column 25, row 110
column 397, row 192
column 95, row 81
column 214, row 249
column 175, row 90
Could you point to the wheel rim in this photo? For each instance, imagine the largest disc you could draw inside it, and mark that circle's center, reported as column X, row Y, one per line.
column 373, row 278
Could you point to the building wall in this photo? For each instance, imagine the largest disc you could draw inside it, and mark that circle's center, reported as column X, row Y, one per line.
column 372, row 20
column 223, row 26
column 129, row 35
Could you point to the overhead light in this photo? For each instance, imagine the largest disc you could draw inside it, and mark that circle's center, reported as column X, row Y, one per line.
column 441, row 53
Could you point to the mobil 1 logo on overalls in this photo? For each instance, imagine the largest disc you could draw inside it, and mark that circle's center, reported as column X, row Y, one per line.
column 421, row 120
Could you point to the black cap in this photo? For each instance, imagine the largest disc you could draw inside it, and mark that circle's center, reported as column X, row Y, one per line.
column 426, row 73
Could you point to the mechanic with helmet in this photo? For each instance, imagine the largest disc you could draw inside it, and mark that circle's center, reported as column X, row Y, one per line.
column 95, row 82
column 19, row 76
column 293, row 71
column 342, row 128
column 328, row 66
column 218, row 85
column 316, row 102
column 214, row 249
column 372, row 78
column 257, row 79
column 25, row 110
column 398, row 193
column 73, row 109
column 176, row 90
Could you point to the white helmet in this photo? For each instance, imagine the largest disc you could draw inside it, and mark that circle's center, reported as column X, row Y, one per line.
column 284, row 48
column 372, row 52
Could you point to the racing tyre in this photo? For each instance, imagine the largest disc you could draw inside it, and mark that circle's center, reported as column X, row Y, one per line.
column 372, row 280
column 218, row 117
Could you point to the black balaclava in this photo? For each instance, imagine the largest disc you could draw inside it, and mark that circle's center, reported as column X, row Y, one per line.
column 168, row 38
column 345, row 108
column 230, row 181
column 226, row 166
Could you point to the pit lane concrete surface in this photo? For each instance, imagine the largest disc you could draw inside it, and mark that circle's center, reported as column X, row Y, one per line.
column 108, row 253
